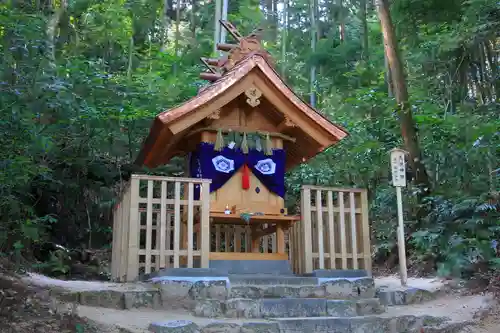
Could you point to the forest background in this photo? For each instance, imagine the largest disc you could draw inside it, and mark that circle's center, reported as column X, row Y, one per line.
column 81, row 81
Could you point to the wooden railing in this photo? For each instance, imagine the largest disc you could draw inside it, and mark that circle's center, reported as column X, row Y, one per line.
column 333, row 232
column 158, row 224
column 238, row 239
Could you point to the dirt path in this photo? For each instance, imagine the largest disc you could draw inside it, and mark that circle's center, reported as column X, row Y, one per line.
column 457, row 308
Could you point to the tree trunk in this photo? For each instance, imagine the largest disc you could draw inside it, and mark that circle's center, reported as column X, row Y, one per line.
column 193, row 20
column 52, row 26
column 223, row 33
column 177, row 33
column 165, row 21
column 342, row 22
column 388, row 77
column 217, row 27
column 408, row 129
column 362, row 13
column 312, row 90
column 284, row 39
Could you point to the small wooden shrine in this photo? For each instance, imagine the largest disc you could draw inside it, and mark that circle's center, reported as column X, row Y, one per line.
column 243, row 131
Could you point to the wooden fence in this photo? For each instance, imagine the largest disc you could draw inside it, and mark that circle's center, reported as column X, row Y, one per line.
column 158, row 224
column 333, row 232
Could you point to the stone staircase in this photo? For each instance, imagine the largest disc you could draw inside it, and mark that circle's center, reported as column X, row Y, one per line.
column 197, row 300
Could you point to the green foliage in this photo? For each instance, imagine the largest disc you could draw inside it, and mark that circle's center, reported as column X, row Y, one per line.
column 458, row 235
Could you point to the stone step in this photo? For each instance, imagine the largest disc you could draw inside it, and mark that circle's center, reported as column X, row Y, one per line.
column 261, row 279
column 367, row 324
column 338, row 273
column 406, row 295
column 305, row 287
column 271, row 267
column 276, row 268
column 286, row 308
column 184, row 292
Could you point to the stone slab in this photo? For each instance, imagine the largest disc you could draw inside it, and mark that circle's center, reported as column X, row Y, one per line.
column 405, row 295
column 293, row 307
column 248, row 308
column 363, row 324
column 186, row 272
column 276, row 291
column 348, row 288
column 243, row 308
column 314, row 325
column 142, row 299
column 369, row 306
column 339, row 273
column 221, row 327
column 209, row 308
column 259, row 279
column 103, row 298
column 174, row 326
column 257, row 327
column 271, row 267
column 341, row 308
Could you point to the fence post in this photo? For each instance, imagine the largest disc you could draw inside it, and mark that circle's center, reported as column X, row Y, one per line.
column 115, row 268
column 319, row 221
column 366, row 232
column 306, row 229
column 205, row 225
column 133, row 239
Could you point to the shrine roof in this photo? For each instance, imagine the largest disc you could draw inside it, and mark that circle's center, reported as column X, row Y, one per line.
column 314, row 132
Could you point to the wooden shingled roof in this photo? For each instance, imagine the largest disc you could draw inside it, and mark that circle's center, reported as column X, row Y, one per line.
column 313, row 132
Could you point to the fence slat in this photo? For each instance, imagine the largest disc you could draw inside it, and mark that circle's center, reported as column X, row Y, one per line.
column 169, row 233
column 306, row 230
column 205, row 226
column 163, row 223
column 217, row 238
column 124, row 247
column 248, row 239
column 343, row 241
column 190, row 217
column 274, row 242
column 366, row 232
column 227, row 239
column 265, row 241
column 292, row 246
column 177, row 223
column 331, row 230
column 319, row 222
column 114, row 248
column 149, row 229
column 354, row 234
column 133, row 240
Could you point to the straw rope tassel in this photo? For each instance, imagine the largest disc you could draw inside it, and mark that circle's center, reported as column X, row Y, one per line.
column 244, row 144
column 269, row 145
column 219, row 141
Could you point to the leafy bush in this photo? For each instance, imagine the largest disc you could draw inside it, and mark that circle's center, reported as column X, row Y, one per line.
column 458, row 235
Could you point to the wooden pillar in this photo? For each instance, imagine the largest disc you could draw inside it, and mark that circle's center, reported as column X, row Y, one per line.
column 205, row 225
column 255, row 240
column 280, row 239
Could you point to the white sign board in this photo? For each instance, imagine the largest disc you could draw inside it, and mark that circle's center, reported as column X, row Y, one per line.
column 398, row 167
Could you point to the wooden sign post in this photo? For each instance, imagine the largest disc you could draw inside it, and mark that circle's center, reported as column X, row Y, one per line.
column 398, row 168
